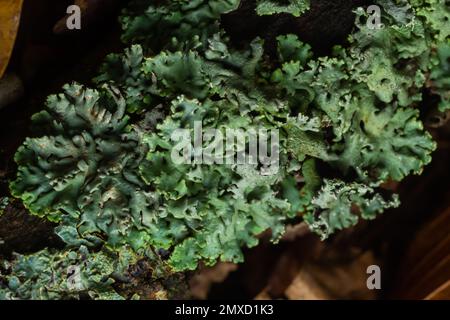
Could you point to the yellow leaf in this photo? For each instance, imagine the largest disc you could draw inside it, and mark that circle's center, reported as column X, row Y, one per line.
column 9, row 24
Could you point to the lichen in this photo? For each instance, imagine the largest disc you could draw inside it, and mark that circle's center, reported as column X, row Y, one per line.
column 101, row 163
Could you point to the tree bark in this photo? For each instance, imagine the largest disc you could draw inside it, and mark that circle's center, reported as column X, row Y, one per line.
column 327, row 23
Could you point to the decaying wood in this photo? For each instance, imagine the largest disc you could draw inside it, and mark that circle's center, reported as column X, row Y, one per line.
column 321, row 272
column 328, row 22
column 425, row 270
column 23, row 233
column 202, row 281
column 295, row 231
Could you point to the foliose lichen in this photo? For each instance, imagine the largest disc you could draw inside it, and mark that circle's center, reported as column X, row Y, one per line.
column 102, row 167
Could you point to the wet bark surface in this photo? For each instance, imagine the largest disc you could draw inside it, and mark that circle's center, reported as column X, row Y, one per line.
column 327, row 23
column 23, row 233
